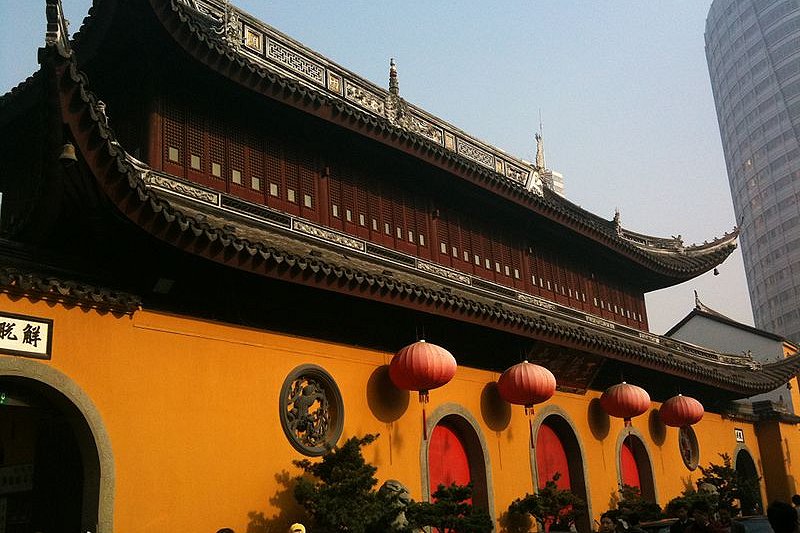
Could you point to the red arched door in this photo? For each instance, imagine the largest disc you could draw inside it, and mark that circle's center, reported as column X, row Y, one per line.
column 447, row 458
column 630, row 470
column 551, row 458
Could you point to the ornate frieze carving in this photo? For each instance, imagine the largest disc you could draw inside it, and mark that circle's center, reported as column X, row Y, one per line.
column 295, row 61
column 470, row 151
column 538, row 302
column 181, row 188
column 599, row 322
column 364, row 98
column 444, row 272
column 517, row 174
column 331, row 236
column 649, row 337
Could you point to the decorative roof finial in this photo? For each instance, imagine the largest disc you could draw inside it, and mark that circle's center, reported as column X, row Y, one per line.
column 696, row 300
column 539, row 136
column 229, row 26
column 394, row 85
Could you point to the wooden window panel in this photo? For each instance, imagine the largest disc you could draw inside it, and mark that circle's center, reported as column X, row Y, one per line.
column 349, row 212
column 173, row 137
column 421, row 226
column 607, row 296
column 374, row 224
column 443, row 237
column 273, row 188
column 196, row 147
column 458, row 244
column 517, row 268
column 532, row 276
column 257, row 166
column 547, row 277
column 308, row 187
column 387, row 221
column 237, row 169
column 336, row 208
column 362, row 214
column 216, row 160
column 402, row 215
column 410, row 231
column 292, row 195
column 470, row 239
column 485, row 254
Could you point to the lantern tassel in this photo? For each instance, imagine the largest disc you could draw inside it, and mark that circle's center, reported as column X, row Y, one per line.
column 529, row 413
column 423, row 399
column 628, row 422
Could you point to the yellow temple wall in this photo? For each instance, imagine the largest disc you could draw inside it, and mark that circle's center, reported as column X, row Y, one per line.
column 191, row 411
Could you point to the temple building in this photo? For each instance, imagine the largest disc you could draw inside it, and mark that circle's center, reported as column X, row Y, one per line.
column 216, row 242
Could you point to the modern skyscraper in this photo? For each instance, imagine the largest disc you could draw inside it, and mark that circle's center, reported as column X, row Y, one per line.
column 753, row 53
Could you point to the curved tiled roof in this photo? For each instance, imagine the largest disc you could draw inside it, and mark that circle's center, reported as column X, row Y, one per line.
column 55, row 288
column 304, row 81
column 240, row 242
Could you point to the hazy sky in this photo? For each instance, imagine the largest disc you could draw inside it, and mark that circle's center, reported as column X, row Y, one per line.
column 622, row 87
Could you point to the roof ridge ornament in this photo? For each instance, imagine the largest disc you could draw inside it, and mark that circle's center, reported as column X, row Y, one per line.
column 394, row 85
column 57, row 33
column 396, row 109
column 230, row 29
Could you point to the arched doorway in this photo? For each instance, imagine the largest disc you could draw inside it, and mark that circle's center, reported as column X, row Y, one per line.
column 455, row 454
column 558, row 451
column 634, row 466
column 748, row 477
column 48, row 449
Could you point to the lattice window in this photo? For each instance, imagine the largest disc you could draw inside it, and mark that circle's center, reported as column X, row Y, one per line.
column 173, row 132
column 195, row 140
column 236, row 141
column 274, row 166
column 308, row 179
column 362, row 202
column 348, row 197
column 374, row 211
column 335, row 195
column 386, row 211
column 397, row 216
column 217, row 148
column 257, row 161
column 292, row 175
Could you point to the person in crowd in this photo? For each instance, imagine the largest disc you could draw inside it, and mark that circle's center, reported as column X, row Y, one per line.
column 681, row 511
column 782, row 517
column 609, row 524
column 726, row 523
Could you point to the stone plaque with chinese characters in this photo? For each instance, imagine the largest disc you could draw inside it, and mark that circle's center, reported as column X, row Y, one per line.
column 25, row 335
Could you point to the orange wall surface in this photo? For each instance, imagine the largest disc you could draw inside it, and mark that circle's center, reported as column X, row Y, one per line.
column 191, row 410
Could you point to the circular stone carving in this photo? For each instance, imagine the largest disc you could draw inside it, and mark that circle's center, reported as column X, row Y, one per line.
column 687, row 444
column 311, row 410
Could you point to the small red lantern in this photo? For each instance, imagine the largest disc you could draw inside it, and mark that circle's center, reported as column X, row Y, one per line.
column 527, row 384
column 681, row 411
column 625, row 401
column 422, row 366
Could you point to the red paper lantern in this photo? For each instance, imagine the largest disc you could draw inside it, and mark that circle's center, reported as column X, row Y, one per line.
column 526, row 384
column 681, row 411
column 422, row 366
column 625, row 401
